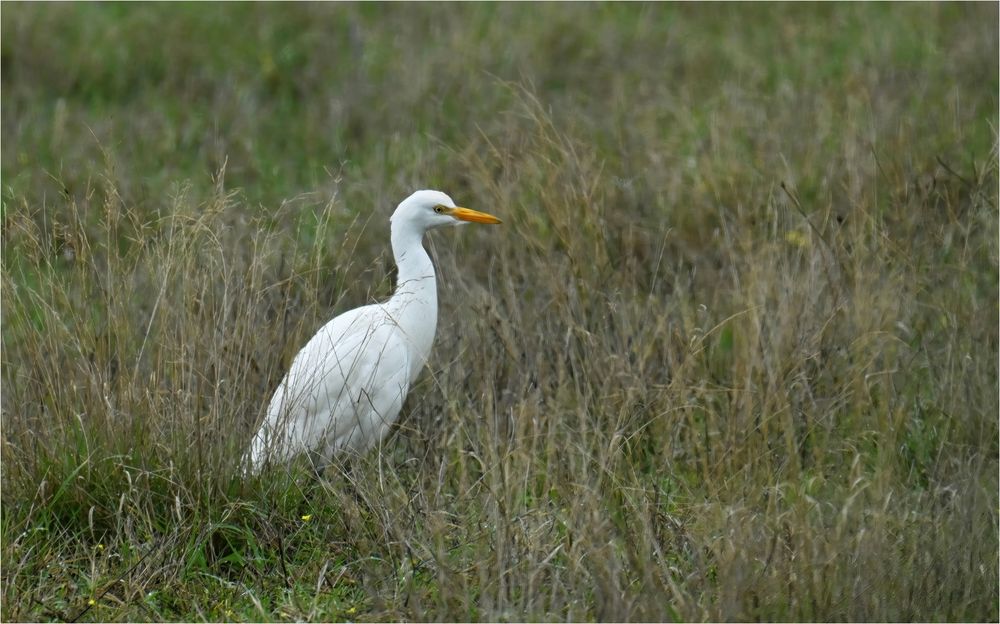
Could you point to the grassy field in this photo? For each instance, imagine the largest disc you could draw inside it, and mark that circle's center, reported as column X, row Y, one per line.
column 731, row 356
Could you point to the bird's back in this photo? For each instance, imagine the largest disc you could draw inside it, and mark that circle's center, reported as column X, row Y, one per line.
column 343, row 390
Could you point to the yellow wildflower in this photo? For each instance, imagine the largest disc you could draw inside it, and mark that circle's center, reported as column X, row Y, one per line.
column 307, row 517
column 797, row 238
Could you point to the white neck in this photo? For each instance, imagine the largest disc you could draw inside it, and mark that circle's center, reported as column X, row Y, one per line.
column 416, row 271
column 414, row 304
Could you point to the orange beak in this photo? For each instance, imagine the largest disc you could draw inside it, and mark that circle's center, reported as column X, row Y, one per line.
column 466, row 214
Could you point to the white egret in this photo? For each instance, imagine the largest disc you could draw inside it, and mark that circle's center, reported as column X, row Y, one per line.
column 346, row 386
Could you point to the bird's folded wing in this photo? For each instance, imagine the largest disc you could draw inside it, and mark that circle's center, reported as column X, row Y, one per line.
column 351, row 376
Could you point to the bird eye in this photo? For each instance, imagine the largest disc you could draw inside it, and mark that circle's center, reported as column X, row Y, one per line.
column 439, row 209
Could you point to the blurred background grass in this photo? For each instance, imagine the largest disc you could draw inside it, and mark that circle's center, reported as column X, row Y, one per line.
column 733, row 354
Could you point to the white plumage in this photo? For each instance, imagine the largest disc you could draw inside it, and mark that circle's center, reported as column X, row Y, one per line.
column 345, row 388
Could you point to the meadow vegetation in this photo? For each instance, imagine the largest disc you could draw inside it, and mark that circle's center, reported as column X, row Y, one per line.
column 731, row 356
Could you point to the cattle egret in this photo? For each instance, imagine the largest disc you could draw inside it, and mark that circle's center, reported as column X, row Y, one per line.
column 345, row 388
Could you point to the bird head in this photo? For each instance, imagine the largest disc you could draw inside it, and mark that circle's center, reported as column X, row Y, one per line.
column 428, row 210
